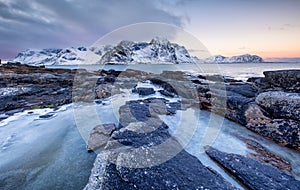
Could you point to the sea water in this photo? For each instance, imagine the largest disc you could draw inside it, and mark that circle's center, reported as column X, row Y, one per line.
column 241, row 71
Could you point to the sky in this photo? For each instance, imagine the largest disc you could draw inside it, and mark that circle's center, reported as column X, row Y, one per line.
column 268, row 28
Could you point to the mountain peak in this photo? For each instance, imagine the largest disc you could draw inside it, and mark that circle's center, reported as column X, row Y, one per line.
column 159, row 40
column 245, row 58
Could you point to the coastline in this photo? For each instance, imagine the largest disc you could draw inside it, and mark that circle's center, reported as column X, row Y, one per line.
column 246, row 103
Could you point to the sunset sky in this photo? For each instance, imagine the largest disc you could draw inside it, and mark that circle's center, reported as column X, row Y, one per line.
column 268, row 28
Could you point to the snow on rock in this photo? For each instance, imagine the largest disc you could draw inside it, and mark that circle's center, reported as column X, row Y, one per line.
column 67, row 56
column 157, row 51
column 246, row 58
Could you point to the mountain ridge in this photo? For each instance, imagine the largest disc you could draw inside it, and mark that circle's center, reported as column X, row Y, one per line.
column 157, row 51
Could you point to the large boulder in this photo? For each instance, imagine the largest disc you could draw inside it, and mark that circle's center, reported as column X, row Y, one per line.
column 99, row 136
column 253, row 174
column 280, row 104
column 282, row 131
column 286, row 79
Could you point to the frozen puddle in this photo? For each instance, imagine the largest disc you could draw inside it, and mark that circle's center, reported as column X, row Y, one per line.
column 37, row 153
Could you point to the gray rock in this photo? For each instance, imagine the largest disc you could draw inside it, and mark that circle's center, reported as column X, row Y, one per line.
column 280, row 104
column 143, row 91
column 33, row 87
column 166, row 93
column 142, row 154
column 99, row 136
column 46, row 116
column 286, row 79
column 253, row 174
column 285, row 132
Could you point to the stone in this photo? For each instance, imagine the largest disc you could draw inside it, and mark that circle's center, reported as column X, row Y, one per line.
column 144, row 91
column 246, row 90
column 280, row 104
column 46, row 116
column 166, row 93
column 260, row 108
column 286, row 79
column 253, row 174
column 141, row 154
column 263, row 155
column 99, row 136
column 103, row 91
column 285, row 132
column 33, row 87
column 183, row 171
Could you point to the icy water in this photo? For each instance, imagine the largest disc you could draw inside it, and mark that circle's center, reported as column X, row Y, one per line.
column 43, row 153
column 51, row 153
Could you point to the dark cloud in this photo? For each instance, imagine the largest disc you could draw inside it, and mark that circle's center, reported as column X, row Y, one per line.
column 63, row 23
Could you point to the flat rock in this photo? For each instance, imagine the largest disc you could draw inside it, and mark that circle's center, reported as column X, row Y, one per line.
column 144, row 91
column 246, row 90
column 253, row 174
column 99, row 136
column 48, row 115
column 263, row 155
column 183, row 171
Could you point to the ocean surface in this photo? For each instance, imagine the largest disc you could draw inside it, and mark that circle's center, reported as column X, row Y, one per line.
column 241, row 71
column 51, row 153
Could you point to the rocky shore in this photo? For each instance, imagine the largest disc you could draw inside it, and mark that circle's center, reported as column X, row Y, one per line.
column 268, row 105
column 135, row 155
column 28, row 87
column 140, row 152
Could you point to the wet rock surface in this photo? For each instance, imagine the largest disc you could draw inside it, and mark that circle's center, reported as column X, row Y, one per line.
column 29, row 87
column 100, row 136
column 143, row 155
column 286, row 79
column 32, row 87
column 263, row 155
column 143, row 91
column 253, row 174
column 131, row 158
column 280, row 104
column 268, row 106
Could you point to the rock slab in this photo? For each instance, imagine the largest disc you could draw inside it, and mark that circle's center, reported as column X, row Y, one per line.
column 99, row 136
column 253, row 174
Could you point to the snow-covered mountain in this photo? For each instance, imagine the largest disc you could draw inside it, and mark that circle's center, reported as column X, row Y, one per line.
column 246, row 58
column 67, row 56
column 156, row 51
